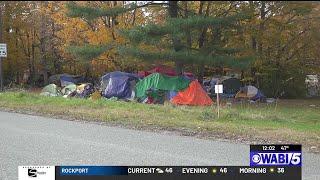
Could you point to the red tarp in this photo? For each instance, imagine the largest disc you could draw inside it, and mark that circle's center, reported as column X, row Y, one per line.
column 193, row 95
column 162, row 70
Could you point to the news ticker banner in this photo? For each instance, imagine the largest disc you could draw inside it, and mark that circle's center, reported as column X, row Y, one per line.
column 159, row 172
column 266, row 162
column 275, row 155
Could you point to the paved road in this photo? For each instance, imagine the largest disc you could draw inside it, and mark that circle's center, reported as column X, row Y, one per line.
column 32, row 140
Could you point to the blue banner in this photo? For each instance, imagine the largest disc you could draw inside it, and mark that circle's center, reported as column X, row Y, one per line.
column 92, row 170
column 265, row 158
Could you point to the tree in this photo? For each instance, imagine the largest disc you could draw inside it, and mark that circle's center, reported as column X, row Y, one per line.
column 282, row 38
column 170, row 41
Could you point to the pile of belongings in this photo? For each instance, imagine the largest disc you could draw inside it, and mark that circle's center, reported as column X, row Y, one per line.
column 68, row 86
column 250, row 93
column 51, row 90
column 84, row 90
column 71, row 90
column 118, row 84
column 231, row 86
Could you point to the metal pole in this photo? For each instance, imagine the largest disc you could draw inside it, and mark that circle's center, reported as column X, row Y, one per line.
column 218, row 100
column 218, row 105
column 1, row 82
column 1, row 77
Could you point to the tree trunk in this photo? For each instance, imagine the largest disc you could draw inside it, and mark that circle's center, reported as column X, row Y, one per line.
column 173, row 13
column 30, row 63
column 261, row 26
column 43, row 45
column 202, row 40
column 253, row 37
column 189, row 40
column 33, row 54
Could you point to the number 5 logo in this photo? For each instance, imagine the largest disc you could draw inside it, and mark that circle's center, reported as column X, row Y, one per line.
column 296, row 158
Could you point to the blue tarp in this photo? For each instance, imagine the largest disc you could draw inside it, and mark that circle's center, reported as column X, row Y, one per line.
column 118, row 84
column 171, row 94
column 258, row 96
column 66, row 80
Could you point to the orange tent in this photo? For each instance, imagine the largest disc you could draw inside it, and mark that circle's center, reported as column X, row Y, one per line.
column 193, row 95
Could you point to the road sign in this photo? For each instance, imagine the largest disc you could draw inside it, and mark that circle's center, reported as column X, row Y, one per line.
column 218, row 89
column 3, row 50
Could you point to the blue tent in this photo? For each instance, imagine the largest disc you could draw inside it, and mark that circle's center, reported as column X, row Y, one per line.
column 118, row 84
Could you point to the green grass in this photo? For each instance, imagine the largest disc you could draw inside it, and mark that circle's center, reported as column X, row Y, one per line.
column 286, row 122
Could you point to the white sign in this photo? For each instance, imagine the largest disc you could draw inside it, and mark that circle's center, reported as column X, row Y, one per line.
column 3, row 50
column 36, row 172
column 218, row 88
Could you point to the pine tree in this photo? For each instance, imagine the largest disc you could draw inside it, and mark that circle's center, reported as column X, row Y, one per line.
column 172, row 40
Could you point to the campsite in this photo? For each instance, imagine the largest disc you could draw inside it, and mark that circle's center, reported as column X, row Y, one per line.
column 154, row 87
column 162, row 102
column 232, row 70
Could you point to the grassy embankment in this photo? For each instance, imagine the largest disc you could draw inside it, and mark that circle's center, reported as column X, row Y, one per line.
column 286, row 122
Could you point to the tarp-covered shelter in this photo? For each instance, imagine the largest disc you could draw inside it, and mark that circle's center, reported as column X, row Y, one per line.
column 251, row 93
column 65, row 79
column 160, row 82
column 118, row 84
column 193, row 95
column 231, row 85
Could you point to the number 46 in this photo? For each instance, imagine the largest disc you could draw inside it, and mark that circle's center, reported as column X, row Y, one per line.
column 169, row 170
column 223, row 170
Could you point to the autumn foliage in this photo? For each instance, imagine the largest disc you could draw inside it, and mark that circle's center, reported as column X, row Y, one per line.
column 83, row 38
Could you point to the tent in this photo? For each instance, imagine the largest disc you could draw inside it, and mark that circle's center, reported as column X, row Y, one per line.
column 193, row 95
column 231, row 85
column 250, row 92
column 50, row 90
column 118, row 84
column 160, row 82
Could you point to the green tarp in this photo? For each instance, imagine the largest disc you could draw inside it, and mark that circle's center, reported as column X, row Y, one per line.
column 160, row 82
